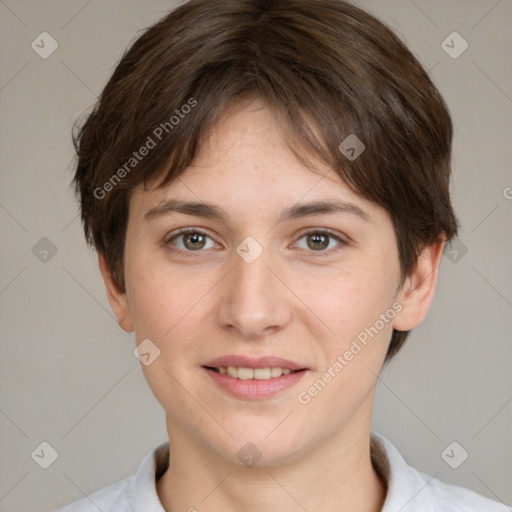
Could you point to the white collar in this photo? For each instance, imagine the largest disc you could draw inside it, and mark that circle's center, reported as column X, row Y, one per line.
column 408, row 490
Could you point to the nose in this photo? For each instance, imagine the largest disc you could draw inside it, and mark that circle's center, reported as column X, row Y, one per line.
column 254, row 300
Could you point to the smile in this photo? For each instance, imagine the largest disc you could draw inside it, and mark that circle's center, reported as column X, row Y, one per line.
column 243, row 373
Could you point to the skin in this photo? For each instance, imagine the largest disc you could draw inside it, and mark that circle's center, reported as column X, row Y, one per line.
column 301, row 302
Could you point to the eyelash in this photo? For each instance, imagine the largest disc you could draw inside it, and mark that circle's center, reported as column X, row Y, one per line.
column 167, row 241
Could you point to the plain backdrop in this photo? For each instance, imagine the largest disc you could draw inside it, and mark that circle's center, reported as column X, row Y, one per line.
column 68, row 374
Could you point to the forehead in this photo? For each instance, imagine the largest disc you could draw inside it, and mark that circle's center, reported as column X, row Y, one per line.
column 245, row 166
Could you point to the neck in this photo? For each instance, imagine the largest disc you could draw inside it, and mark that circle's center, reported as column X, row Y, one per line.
column 337, row 475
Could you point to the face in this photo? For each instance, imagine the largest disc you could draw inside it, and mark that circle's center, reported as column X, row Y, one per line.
column 260, row 283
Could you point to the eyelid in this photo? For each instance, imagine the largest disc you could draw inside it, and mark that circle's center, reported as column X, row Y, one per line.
column 183, row 231
column 343, row 240
column 325, row 231
column 307, row 231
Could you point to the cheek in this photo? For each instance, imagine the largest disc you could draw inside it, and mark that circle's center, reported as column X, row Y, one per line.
column 353, row 301
column 168, row 303
column 358, row 307
column 155, row 292
column 353, row 356
column 165, row 309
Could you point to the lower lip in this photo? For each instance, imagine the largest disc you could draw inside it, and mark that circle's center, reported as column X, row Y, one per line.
column 255, row 388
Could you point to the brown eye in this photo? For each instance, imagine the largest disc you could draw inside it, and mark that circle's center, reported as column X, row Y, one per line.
column 194, row 241
column 320, row 241
column 190, row 240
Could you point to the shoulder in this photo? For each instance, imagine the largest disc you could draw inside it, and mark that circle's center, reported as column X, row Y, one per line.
column 410, row 490
column 133, row 493
column 112, row 498
column 453, row 498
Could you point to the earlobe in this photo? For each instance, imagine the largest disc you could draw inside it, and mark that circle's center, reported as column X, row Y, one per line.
column 418, row 290
column 116, row 297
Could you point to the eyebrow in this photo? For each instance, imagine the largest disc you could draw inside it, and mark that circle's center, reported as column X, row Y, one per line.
column 297, row 211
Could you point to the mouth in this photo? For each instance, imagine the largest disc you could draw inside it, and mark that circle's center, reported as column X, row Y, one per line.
column 243, row 373
column 254, row 378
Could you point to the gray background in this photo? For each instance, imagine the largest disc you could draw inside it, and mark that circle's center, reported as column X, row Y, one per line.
column 68, row 373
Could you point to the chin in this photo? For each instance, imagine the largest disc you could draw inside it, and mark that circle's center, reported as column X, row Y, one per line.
column 252, row 449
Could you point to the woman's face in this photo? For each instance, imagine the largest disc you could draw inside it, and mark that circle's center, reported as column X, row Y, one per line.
column 262, row 280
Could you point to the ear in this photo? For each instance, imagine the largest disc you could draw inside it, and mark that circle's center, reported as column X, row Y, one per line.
column 116, row 297
column 418, row 290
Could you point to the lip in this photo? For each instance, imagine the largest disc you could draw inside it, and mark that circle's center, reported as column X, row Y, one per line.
column 254, row 389
column 255, row 362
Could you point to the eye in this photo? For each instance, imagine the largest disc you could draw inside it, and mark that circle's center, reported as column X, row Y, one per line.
column 318, row 241
column 191, row 240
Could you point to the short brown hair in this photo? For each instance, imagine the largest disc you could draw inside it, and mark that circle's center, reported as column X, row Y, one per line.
column 326, row 69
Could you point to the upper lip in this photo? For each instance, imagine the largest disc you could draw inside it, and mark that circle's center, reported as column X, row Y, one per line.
column 254, row 362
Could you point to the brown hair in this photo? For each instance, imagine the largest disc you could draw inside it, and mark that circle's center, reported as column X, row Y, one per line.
column 325, row 68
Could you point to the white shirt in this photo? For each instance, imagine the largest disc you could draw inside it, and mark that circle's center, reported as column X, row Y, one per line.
column 408, row 489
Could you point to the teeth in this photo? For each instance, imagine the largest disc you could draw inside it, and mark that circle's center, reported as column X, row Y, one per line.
column 244, row 373
column 276, row 372
column 261, row 373
column 253, row 373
